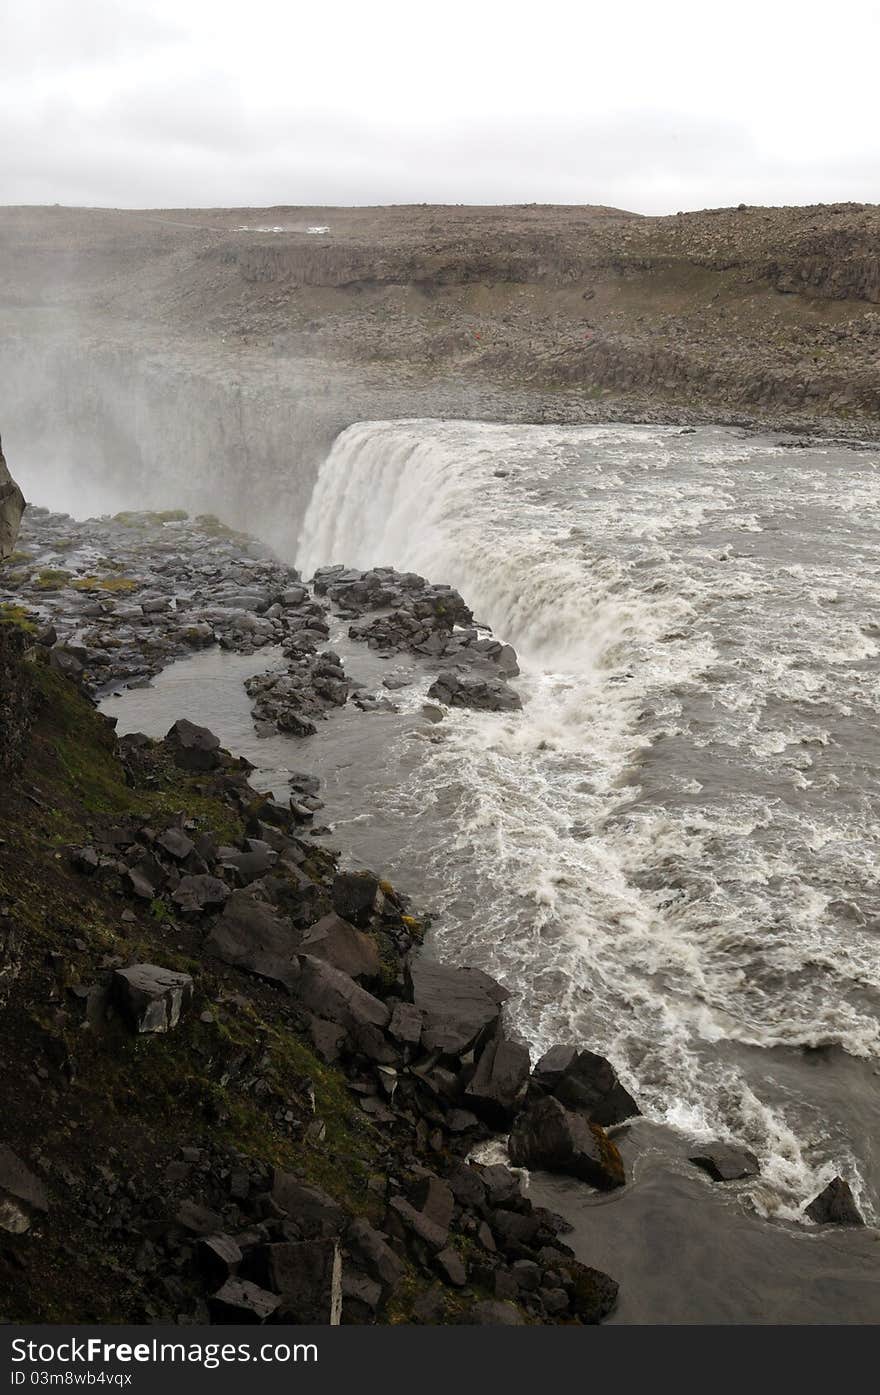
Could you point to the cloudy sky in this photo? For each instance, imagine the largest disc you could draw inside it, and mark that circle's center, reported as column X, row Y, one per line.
column 645, row 105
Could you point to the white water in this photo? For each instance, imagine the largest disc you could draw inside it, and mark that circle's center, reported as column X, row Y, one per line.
column 646, row 855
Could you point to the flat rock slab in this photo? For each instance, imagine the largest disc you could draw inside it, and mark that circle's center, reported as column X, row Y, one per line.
column 344, row 947
column 196, row 895
column 150, row 997
column 457, row 1004
column 724, row 1163
column 240, row 1301
column 249, row 935
column 330, row 994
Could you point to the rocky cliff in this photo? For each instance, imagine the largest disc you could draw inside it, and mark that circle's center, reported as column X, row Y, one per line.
column 11, row 508
column 129, row 319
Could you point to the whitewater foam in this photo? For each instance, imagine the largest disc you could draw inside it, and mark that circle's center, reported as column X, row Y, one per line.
column 640, row 855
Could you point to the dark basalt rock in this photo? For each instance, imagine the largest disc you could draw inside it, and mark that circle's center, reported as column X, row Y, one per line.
column 12, row 507
column 151, row 998
column 251, row 936
column 344, row 947
column 315, row 1214
column 583, row 1081
column 307, row 1274
column 404, row 1221
column 498, row 1086
column 218, row 1257
column 21, row 1193
column 549, row 1136
column 240, row 1301
column 458, row 1004
column 197, row 894
column 592, row 1294
column 176, row 844
column 725, row 1163
column 434, row 1199
column 357, row 896
column 492, row 1312
column 835, row 1205
column 484, row 694
column 330, row 994
column 193, row 747
column 370, row 1249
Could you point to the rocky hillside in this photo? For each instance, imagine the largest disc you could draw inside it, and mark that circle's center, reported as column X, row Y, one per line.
column 761, row 313
column 234, row 1087
column 11, row 509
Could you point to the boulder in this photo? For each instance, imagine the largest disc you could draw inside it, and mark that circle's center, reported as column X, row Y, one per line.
column 551, row 1137
column 452, row 1267
column 327, row 1039
column 434, row 1199
column 492, row 1312
column 516, row 1231
column 406, row 1024
column 197, row 894
column 500, row 1082
column 315, row 1214
column 467, row 1186
column 193, row 747
column 240, row 1301
column 249, row 935
column 21, row 1193
column 308, row 1276
column 342, row 945
column 583, row 1081
column 458, row 1005
column 370, row 1250
column 218, row 1257
column 405, row 1221
column 835, row 1205
column 357, row 896
column 249, row 865
column 151, row 998
column 725, row 1163
column 592, row 1294
column 331, row 994
column 483, row 694
column 145, row 879
column 64, row 662
column 12, row 507
column 361, row 1296
column 198, row 1219
column 175, row 844
column 503, row 1187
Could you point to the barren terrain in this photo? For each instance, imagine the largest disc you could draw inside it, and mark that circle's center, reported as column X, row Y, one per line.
column 196, row 342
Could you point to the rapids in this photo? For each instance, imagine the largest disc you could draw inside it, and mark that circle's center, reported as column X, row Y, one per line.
column 670, row 855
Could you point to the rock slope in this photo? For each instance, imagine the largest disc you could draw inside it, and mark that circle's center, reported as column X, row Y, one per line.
column 11, row 509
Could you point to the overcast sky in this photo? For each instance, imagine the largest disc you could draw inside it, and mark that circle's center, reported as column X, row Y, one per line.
column 646, row 105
